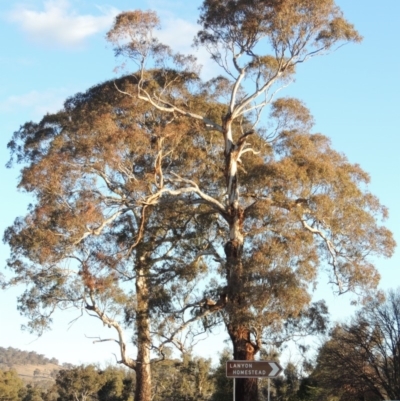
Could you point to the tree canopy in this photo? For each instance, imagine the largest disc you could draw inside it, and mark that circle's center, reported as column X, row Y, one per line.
column 290, row 203
column 97, row 237
column 159, row 183
column 11, row 386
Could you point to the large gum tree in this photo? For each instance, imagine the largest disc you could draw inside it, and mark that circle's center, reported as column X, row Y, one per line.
column 290, row 204
column 97, row 235
column 143, row 186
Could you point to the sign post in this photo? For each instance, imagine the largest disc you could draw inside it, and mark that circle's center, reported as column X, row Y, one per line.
column 251, row 369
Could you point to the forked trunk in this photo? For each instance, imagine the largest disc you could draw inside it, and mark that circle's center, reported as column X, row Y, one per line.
column 237, row 308
column 143, row 372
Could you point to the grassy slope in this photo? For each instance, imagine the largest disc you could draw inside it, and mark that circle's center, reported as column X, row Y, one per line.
column 27, row 372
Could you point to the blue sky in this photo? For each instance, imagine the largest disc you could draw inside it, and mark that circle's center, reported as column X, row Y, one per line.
column 53, row 49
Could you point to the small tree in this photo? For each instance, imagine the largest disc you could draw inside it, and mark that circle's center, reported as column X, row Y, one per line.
column 79, row 384
column 34, row 393
column 361, row 360
column 188, row 379
column 223, row 386
column 11, row 386
column 286, row 388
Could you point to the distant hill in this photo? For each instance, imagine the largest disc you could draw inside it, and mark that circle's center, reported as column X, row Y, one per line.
column 30, row 366
column 14, row 356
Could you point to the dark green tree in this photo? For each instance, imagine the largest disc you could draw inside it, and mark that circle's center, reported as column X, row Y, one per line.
column 118, row 385
column 308, row 390
column 223, row 386
column 286, row 387
column 90, row 382
column 79, row 384
column 188, row 379
column 34, row 393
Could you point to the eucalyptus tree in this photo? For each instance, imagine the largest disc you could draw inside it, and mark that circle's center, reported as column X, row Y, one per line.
column 290, row 204
column 95, row 239
column 79, row 384
column 186, row 379
column 89, row 382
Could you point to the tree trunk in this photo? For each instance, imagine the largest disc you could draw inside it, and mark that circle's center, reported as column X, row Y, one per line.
column 246, row 389
column 243, row 349
column 143, row 372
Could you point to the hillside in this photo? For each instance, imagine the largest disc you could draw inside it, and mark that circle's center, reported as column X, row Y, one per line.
column 30, row 366
column 15, row 356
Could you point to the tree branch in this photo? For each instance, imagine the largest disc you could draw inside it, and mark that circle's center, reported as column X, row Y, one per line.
column 125, row 359
column 97, row 231
column 172, row 108
column 332, row 250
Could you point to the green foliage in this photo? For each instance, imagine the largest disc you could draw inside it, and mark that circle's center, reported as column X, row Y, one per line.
column 286, row 388
column 223, row 386
column 34, row 394
column 189, row 379
column 89, row 382
column 81, row 383
column 11, row 386
column 118, row 385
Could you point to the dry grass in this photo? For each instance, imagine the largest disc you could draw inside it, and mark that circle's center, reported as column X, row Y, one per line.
column 34, row 373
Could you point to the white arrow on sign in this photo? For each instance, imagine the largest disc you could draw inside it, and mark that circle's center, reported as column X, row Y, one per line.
column 275, row 369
